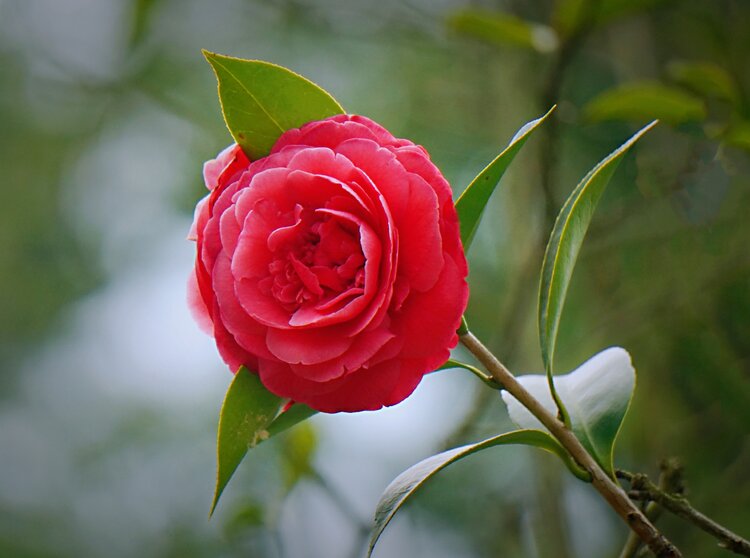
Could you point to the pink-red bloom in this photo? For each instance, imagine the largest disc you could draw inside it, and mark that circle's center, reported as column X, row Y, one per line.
column 333, row 266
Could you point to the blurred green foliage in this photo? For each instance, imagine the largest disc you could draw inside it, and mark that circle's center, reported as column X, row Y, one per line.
column 664, row 272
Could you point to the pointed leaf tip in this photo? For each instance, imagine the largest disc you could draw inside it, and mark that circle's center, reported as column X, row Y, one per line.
column 246, row 414
column 565, row 243
column 471, row 203
column 260, row 101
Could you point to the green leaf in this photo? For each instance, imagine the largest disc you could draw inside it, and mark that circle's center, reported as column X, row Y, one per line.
column 565, row 243
column 472, row 201
column 597, row 396
column 407, row 483
column 260, row 101
column 738, row 135
column 247, row 411
column 295, row 414
column 503, row 29
column 705, row 78
column 643, row 101
column 298, row 449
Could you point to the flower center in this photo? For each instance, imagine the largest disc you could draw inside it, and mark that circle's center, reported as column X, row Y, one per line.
column 316, row 260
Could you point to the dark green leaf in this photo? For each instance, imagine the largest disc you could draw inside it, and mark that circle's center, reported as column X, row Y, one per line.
column 260, row 101
column 247, row 411
column 705, row 78
column 503, row 29
column 643, row 101
column 407, row 483
column 570, row 16
column 565, row 242
column 597, row 395
column 738, row 135
column 471, row 203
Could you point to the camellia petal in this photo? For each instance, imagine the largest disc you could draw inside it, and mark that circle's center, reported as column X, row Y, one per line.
column 333, row 266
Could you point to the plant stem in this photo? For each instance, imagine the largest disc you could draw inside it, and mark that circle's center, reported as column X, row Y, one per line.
column 611, row 491
column 644, row 489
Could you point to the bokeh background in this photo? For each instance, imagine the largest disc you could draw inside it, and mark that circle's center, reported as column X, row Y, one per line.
column 109, row 394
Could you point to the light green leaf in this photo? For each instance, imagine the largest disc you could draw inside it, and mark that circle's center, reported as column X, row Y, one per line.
column 247, row 411
column 597, row 395
column 643, row 101
column 407, row 483
column 472, row 201
column 260, row 101
column 565, row 243
column 298, row 449
column 738, row 135
column 705, row 78
column 503, row 29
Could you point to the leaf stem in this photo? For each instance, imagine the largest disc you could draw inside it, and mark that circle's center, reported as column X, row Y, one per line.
column 612, row 492
column 671, row 499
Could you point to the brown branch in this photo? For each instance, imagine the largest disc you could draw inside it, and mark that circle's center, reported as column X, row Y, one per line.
column 612, row 493
column 670, row 480
column 673, row 500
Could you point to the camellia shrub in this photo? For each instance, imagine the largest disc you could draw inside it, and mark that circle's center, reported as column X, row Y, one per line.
column 331, row 272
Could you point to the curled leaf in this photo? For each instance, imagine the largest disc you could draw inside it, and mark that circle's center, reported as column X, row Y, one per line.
column 596, row 395
column 407, row 483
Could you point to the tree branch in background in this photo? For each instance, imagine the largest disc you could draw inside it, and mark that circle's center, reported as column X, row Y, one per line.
column 670, row 496
column 569, row 47
column 670, row 480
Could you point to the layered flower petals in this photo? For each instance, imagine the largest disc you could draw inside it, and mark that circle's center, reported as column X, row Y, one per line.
column 332, row 267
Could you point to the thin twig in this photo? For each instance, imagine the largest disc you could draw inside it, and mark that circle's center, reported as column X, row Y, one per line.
column 612, row 493
column 670, row 480
column 673, row 501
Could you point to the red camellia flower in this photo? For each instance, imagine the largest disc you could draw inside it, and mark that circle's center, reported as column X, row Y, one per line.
column 333, row 266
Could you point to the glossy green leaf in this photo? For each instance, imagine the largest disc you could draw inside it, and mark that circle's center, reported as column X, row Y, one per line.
column 260, row 101
column 596, row 395
column 565, row 243
column 705, row 78
column 503, row 29
column 407, row 483
column 643, row 101
column 247, row 411
column 472, row 201
column 294, row 415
